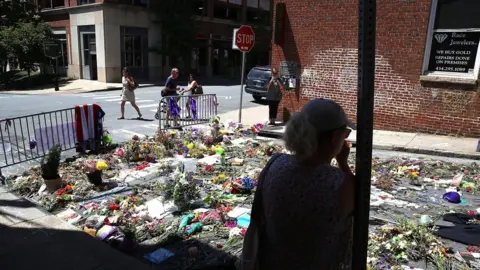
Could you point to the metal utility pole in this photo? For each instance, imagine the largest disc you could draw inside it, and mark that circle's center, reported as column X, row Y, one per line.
column 365, row 104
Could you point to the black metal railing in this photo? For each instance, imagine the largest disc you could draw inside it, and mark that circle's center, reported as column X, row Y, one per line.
column 182, row 111
column 30, row 137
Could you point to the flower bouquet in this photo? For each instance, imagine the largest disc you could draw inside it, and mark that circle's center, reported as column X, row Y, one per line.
column 94, row 169
column 255, row 129
column 181, row 189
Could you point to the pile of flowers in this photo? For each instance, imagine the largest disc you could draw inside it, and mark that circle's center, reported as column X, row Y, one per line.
column 181, row 189
column 394, row 245
column 137, row 150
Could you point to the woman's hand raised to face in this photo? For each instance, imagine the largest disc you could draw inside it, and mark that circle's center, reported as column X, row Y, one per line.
column 342, row 157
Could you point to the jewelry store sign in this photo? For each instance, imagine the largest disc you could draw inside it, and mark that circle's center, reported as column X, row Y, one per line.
column 454, row 51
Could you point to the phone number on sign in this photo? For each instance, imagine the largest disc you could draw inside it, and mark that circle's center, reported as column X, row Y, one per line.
column 455, row 69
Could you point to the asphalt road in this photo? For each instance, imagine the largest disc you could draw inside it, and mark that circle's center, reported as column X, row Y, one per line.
column 228, row 98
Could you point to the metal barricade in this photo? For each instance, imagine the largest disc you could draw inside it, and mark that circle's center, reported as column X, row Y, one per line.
column 30, row 137
column 193, row 110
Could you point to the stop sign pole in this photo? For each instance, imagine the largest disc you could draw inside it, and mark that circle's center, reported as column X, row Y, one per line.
column 244, row 40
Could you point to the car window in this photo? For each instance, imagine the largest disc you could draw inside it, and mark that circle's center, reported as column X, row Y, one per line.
column 259, row 73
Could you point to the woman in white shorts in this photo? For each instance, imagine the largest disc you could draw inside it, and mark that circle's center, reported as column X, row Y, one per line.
column 128, row 94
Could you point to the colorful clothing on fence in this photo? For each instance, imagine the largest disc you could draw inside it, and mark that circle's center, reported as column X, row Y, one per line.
column 88, row 125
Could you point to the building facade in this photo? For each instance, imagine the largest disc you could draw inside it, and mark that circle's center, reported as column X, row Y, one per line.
column 100, row 37
column 427, row 62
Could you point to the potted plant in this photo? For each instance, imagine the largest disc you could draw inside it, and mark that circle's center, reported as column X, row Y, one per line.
column 94, row 171
column 129, row 237
column 49, row 166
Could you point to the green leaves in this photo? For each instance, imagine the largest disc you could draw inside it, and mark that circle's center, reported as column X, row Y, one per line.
column 22, row 33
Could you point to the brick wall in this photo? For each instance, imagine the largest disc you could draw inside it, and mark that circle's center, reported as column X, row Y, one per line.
column 322, row 37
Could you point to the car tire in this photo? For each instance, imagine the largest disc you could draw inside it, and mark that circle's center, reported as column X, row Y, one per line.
column 257, row 98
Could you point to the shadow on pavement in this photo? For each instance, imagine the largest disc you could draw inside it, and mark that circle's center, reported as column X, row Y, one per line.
column 141, row 119
column 49, row 243
column 260, row 102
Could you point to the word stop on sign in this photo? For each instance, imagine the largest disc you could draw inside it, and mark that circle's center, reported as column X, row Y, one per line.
column 244, row 39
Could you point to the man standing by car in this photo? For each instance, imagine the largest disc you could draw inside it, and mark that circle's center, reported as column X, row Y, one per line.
column 274, row 96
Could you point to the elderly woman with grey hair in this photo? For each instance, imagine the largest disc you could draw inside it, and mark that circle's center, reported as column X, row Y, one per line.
column 304, row 204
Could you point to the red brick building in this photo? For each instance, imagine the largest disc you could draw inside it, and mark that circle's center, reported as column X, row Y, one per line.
column 427, row 67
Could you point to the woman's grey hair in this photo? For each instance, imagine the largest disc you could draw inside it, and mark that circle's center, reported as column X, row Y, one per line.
column 301, row 137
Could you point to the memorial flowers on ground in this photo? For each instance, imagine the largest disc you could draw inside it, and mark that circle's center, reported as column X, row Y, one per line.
column 203, row 185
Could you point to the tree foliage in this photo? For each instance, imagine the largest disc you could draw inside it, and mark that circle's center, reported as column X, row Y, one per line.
column 22, row 34
column 177, row 23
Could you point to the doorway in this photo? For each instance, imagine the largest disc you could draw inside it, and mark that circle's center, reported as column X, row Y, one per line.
column 89, row 56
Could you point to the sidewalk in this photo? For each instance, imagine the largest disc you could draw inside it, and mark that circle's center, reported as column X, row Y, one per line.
column 30, row 238
column 73, row 86
column 85, row 86
column 382, row 140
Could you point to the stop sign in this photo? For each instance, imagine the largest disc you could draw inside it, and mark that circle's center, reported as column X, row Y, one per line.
column 245, row 38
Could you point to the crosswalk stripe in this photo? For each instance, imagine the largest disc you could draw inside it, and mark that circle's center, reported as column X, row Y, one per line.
column 154, row 126
column 115, row 99
column 141, row 101
column 106, row 97
column 148, row 106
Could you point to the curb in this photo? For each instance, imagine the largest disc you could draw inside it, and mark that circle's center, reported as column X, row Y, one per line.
column 474, row 156
column 15, row 92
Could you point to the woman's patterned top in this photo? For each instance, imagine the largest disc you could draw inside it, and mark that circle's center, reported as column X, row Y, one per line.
column 303, row 230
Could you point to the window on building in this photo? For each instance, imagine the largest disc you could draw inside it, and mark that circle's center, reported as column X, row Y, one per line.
column 454, row 35
column 141, row 3
column 133, row 51
column 264, row 4
column 258, row 16
column 252, row 3
column 199, row 7
column 58, row 3
column 63, row 59
column 228, row 12
column 84, row 2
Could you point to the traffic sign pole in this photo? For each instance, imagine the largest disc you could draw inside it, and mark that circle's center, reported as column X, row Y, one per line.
column 244, row 41
column 241, row 88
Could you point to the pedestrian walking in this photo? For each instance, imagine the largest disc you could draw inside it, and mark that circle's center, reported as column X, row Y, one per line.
column 170, row 91
column 128, row 87
column 302, row 210
column 274, row 96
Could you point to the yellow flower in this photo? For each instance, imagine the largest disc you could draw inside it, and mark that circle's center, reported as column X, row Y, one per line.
column 214, row 179
column 190, row 146
column 223, row 131
column 173, row 132
column 102, row 165
column 222, row 176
